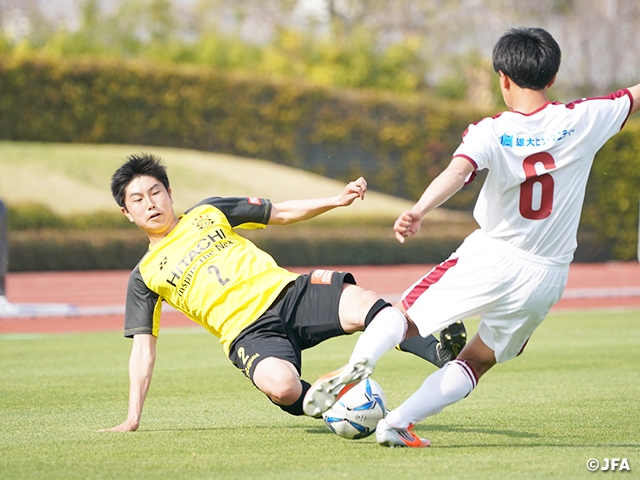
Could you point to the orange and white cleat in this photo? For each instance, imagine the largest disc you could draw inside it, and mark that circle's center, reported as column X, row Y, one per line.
column 388, row 436
column 330, row 387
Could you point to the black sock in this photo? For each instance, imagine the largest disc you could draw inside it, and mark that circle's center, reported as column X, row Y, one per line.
column 422, row 347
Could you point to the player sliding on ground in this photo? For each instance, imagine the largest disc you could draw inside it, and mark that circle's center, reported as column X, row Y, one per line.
column 513, row 269
column 263, row 314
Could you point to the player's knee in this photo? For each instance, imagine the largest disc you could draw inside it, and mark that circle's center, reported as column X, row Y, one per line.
column 358, row 307
column 283, row 393
column 369, row 299
column 295, row 408
column 278, row 379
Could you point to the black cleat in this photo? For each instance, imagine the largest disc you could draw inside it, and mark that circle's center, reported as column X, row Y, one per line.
column 452, row 340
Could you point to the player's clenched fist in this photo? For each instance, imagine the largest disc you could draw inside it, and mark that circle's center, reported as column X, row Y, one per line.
column 407, row 225
column 353, row 190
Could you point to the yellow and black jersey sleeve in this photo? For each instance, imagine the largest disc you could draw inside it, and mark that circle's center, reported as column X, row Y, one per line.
column 142, row 311
column 241, row 212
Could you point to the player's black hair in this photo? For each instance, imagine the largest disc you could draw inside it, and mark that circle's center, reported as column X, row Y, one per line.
column 528, row 56
column 137, row 165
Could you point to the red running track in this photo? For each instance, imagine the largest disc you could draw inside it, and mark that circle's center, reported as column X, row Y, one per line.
column 608, row 285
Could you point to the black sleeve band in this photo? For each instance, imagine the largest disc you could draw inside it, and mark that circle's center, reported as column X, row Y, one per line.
column 373, row 311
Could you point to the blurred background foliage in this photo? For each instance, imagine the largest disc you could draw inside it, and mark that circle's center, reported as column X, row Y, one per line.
column 149, row 30
column 402, row 46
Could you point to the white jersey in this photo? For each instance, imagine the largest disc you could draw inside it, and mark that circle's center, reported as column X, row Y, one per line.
column 538, row 165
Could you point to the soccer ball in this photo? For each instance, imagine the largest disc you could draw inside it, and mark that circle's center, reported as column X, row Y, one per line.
column 357, row 413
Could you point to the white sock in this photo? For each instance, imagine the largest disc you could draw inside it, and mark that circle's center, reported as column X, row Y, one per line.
column 448, row 385
column 387, row 329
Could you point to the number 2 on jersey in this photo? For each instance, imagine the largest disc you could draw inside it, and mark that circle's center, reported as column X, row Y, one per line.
column 212, row 269
column 546, row 187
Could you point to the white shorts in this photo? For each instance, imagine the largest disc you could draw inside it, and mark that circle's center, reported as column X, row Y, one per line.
column 510, row 289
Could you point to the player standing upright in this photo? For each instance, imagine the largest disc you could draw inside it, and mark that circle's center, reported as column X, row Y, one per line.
column 514, row 268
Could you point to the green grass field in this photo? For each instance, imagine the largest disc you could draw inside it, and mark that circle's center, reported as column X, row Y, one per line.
column 573, row 396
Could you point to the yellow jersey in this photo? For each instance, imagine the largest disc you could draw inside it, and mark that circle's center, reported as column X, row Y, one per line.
column 204, row 269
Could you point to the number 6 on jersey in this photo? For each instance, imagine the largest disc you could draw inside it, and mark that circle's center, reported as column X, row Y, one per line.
column 546, row 183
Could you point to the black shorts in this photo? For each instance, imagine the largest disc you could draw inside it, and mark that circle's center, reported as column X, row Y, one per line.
column 305, row 314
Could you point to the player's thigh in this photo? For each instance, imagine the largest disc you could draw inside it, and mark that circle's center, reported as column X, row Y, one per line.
column 316, row 316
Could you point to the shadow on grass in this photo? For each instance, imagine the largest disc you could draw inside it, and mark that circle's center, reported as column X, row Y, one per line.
column 313, row 430
column 425, row 430
column 448, row 429
column 485, row 431
column 422, row 430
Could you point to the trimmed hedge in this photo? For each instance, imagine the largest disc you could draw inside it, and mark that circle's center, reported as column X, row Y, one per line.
column 41, row 250
column 399, row 142
column 35, row 216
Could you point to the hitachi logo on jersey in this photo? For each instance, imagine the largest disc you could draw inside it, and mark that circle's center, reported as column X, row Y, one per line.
column 210, row 241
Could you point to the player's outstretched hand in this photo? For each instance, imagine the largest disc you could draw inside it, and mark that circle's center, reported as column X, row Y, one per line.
column 353, row 190
column 126, row 426
column 407, row 225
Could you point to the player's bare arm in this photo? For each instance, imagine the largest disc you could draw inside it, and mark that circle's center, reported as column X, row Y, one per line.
column 292, row 211
column 635, row 93
column 443, row 187
column 141, row 362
